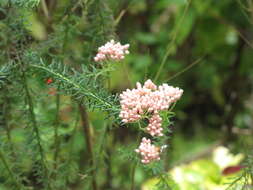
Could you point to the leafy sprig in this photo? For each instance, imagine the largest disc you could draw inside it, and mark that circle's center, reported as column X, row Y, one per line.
column 80, row 85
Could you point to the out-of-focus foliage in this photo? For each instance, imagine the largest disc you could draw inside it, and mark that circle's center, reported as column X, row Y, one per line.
column 203, row 29
column 22, row 3
column 205, row 173
column 206, row 47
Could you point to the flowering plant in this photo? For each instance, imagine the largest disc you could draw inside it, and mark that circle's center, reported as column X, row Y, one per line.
column 146, row 102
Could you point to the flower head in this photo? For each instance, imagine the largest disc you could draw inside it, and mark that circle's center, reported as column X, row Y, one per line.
column 112, row 50
column 147, row 98
column 148, row 151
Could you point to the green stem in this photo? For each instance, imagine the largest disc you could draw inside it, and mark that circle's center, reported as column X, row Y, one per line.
column 101, row 145
column 57, row 122
column 71, row 147
column 133, row 176
column 35, row 127
column 135, row 162
column 6, row 165
column 186, row 68
column 106, row 147
column 44, row 8
column 103, row 137
column 171, row 44
column 56, row 135
column 89, row 143
column 5, row 121
column 172, row 107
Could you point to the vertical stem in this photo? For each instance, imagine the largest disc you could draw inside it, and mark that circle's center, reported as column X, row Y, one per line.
column 44, row 8
column 56, row 135
column 109, row 176
column 71, row 147
column 5, row 107
column 6, row 165
column 133, row 175
column 172, row 42
column 35, row 127
column 88, row 138
column 135, row 162
column 102, row 143
column 100, row 156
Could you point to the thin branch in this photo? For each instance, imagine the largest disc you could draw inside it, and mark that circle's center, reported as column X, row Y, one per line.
column 135, row 162
column 89, row 144
column 44, row 8
column 133, row 176
column 6, row 111
column 35, row 126
column 72, row 10
column 119, row 17
column 171, row 44
column 56, row 135
column 186, row 68
column 71, row 144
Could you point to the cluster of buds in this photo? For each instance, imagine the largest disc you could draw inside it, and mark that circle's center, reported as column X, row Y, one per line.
column 148, row 151
column 154, row 127
column 112, row 50
column 148, row 100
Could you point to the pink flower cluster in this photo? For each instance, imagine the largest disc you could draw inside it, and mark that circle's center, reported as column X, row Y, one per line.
column 154, row 127
column 112, row 50
column 148, row 151
column 148, row 99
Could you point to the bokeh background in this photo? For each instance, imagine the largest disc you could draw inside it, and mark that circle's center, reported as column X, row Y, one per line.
column 205, row 48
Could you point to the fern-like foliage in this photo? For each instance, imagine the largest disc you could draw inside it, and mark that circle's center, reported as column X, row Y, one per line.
column 5, row 73
column 80, row 85
column 13, row 179
column 26, row 3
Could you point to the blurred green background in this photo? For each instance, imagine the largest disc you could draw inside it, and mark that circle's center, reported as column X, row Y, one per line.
column 205, row 48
